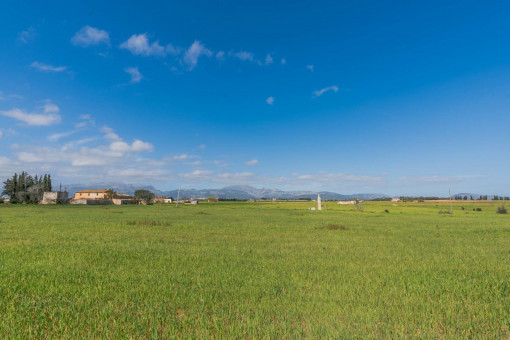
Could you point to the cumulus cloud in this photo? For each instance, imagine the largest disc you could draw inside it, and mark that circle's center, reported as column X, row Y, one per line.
column 138, row 44
column 184, row 157
column 310, row 68
column 27, row 35
column 1, row 134
column 283, row 61
column 50, row 115
column 268, row 60
column 320, row 92
column 47, row 68
column 201, row 146
column 229, row 176
column 220, row 55
column 88, row 36
column 194, row 52
column 137, row 146
column 135, row 74
column 221, row 164
column 109, row 134
column 270, row 100
column 86, row 119
column 134, row 173
column 196, row 175
column 252, row 162
column 244, row 56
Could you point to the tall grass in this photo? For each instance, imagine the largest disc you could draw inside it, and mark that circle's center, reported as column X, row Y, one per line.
column 253, row 270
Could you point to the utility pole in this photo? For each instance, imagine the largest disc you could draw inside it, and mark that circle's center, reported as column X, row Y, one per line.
column 178, row 194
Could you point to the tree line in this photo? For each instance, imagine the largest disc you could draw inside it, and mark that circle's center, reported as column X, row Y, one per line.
column 24, row 188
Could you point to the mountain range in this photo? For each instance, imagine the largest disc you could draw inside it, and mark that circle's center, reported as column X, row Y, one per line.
column 229, row 192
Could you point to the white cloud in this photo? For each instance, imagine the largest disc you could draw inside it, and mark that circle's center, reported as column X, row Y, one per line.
column 194, row 52
column 270, row 100
column 196, row 175
column 138, row 44
column 320, row 92
column 49, row 117
column 137, row 146
column 220, row 55
column 201, row 146
column 228, row 176
column 135, row 74
column 221, row 164
column 86, row 120
column 336, row 178
column 283, row 61
column 173, row 50
column 244, row 56
column 184, row 157
column 47, row 68
column 51, row 108
column 1, row 134
column 88, row 36
column 151, row 174
column 438, row 179
column 252, row 162
column 310, row 68
column 27, row 35
column 55, row 137
column 109, row 134
column 268, row 60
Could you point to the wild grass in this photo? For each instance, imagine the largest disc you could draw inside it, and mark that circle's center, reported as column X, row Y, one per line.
column 251, row 270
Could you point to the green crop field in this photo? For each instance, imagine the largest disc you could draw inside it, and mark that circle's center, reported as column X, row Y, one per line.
column 254, row 270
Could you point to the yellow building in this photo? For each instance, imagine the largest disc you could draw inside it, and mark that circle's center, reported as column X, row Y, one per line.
column 90, row 194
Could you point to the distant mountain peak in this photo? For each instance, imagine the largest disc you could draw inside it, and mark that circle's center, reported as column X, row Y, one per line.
column 229, row 192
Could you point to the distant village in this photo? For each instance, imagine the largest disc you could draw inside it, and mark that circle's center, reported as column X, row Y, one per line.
column 26, row 189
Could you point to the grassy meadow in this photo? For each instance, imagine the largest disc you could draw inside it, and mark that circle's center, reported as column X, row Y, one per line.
column 255, row 270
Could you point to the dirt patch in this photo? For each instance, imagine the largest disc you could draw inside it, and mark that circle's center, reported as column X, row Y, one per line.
column 333, row 227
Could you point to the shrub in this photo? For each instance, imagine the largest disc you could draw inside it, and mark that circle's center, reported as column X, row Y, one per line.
column 502, row 210
column 386, row 211
column 478, row 209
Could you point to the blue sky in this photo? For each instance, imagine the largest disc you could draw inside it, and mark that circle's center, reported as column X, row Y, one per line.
column 391, row 97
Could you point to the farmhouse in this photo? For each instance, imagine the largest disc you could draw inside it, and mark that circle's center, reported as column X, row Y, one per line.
column 120, row 199
column 90, row 194
column 54, row 197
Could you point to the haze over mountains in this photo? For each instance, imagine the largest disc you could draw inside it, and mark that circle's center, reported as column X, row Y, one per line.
column 229, row 192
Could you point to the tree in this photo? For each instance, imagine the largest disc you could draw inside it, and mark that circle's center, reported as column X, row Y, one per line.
column 48, row 184
column 24, row 188
column 212, row 199
column 502, row 210
column 110, row 194
column 144, row 196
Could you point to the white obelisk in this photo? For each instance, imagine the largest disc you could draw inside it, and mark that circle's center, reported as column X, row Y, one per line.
column 319, row 206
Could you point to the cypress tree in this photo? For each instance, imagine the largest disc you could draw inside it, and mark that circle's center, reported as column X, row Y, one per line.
column 49, row 183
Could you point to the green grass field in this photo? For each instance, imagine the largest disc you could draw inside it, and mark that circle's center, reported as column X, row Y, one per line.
column 254, row 270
